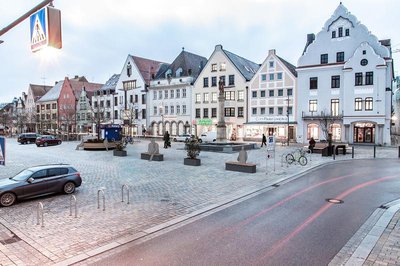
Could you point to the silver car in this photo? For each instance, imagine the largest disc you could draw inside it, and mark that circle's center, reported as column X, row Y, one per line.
column 37, row 181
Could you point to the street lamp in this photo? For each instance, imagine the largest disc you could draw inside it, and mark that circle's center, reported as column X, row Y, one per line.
column 287, row 112
column 162, row 118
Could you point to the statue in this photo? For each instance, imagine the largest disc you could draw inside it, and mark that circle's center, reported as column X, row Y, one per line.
column 242, row 158
column 153, row 149
column 221, row 86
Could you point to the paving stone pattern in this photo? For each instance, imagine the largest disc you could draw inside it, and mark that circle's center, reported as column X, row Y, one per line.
column 159, row 192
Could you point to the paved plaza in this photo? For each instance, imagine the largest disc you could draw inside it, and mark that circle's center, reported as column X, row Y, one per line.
column 160, row 194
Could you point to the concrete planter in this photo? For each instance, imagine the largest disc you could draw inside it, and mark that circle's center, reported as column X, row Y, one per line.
column 119, row 153
column 192, row 162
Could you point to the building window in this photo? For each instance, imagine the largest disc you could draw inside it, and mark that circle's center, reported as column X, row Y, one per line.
column 213, row 67
column 271, row 64
column 213, row 81
column 172, row 94
column 358, row 104
column 289, row 110
column 240, row 112
column 214, row 97
column 108, row 103
column 368, row 104
column 231, row 80
column 358, row 79
column 116, row 114
column 289, row 92
column 155, row 110
column 213, row 112
column 143, row 98
column 205, row 97
column 313, row 131
column 240, row 96
column 333, row 34
column 143, row 113
column 178, row 93
column 262, row 93
column 115, row 101
column 335, row 82
column 166, row 109
column 271, row 110
column 172, row 109
column 279, row 76
column 271, row 76
column 254, row 111
column 229, row 112
column 178, row 109
column 340, row 32
column 263, row 77
column 160, row 95
column 254, row 94
column 347, row 32
column 312, row 105
column 205, row 82
column 262, row 110
column 154, row 95
column 313, row 83
column 198, row 97
column 222, row 78
column 47, row 106
column 335, row 107
column 340, row 57
column 183, row 93
column 184, row 109
column 280, row 92
column 129, row 85
column 229, row 95
column 95, row 105
column 369, row 78
column 280, row 110
column 222, row 67
column 205, row 112
column 197, row 112
column 129, row 69
column 324, row 59
column 166, row 94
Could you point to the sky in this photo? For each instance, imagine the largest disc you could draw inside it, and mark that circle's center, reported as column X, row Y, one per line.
column 98, row 35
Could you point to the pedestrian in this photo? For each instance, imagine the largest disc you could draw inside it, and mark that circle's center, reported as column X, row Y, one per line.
column 311, row 145
column 166, row 139
column 264, row 140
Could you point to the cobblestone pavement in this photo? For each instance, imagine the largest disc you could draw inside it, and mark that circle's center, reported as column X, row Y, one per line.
column 160, row 193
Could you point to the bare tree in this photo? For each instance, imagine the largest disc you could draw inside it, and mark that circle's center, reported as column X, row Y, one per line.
column 132, row 114
column 326, row 121
column 67, row 118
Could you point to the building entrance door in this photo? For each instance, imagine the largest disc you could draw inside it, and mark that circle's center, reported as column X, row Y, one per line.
column 364, row 133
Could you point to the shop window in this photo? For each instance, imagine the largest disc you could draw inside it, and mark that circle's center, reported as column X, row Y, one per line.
column 313, row 131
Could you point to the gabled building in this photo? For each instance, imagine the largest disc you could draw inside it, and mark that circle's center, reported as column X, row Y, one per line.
column 345, row 83
column 272, row 100
column 170, row 95
column 35, row 92
column 132, row 87
column 236, row 73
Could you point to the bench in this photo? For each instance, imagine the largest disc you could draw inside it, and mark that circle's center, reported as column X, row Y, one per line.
column 342, row 147
column 156, row 157
column 240, row 167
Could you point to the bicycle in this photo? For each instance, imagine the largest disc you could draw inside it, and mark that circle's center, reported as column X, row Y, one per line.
column 297, row 156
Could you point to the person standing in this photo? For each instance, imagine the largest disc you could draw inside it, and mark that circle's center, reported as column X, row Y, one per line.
column 264, row 140
column 311, row 145
column 166, row 139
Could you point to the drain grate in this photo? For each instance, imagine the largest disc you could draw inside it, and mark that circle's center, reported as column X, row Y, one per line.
column 10, row 240
column 335, row 201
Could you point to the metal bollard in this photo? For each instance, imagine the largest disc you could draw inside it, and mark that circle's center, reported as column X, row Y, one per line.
column 352, row 152
column 122, row 191
column 98, row 199
column 399, row 151
column 40, row 213
column 374, row 151
column 73, row 199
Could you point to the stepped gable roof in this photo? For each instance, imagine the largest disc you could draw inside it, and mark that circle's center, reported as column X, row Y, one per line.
column 39, row 90
column 246, row 67
column 53, row 94
column 111, row 83
column 78, row 83
column 186, row 61
column 148, row 68
column 291, row 67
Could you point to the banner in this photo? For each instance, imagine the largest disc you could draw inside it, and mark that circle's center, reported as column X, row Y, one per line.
column 2, row 151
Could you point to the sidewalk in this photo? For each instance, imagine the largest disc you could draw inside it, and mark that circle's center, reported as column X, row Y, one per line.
column 161, row 194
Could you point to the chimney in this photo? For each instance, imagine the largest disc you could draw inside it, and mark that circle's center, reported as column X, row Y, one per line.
column 218, row 47
column 76, row 77
column 272, row 51
column 310, row 38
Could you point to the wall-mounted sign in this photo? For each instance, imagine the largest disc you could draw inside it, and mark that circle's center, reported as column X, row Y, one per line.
column 204, row 122
column 2, row 151
column 45, row 29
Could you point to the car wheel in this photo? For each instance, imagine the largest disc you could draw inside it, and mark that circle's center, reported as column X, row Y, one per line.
column 174, row 139
column 59, row 142
column 45, row 144
column 37, row 145
column 69, row 188
column 7, row 199
column 200, row 141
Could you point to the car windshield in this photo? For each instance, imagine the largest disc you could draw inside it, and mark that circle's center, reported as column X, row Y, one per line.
column 22, row 176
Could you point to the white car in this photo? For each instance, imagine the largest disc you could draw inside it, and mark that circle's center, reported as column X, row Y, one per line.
column 183, row 138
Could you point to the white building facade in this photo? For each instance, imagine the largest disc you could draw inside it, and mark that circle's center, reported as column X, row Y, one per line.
column 272, row 100
column 345, row 83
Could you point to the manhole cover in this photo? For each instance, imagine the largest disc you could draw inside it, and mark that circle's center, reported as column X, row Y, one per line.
column 335, row 201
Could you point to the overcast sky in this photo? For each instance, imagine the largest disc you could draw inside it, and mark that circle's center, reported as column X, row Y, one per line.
column 99, row 34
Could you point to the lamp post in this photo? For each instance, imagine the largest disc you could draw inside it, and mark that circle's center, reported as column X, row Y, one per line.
column 162, row 119
column 288, row 118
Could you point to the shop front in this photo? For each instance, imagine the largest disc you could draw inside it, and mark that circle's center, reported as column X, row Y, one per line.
column 364, row 132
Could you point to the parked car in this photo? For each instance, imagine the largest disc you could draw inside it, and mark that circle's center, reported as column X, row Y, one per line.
column 183, row 137
column 208, row 137
column 46, row 140
column 39, row 180
column 27, row 138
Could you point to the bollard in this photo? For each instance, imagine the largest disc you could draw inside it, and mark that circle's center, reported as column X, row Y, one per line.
column 122, row 191
column 40, row 213
column 72, row 199
column 98, row 199
column 352, row 152
column 374, row 151
column 399, row 151
column 334, row 154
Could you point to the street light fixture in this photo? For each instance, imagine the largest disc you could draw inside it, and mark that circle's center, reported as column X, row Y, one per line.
column 288, row 120
column 162, row 118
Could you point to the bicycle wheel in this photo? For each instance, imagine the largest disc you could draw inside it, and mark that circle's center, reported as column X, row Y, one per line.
column 289, row 158
column 302, row 160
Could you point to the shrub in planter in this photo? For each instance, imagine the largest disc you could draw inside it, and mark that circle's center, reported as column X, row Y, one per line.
column 120, row 149
column 193, row 150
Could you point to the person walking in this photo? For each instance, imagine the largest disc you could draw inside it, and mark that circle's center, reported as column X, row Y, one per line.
column 264, row 140
column 311, row 145
column 167, row 142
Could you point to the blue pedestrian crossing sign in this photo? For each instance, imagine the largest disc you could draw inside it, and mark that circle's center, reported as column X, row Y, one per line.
column 45, row 29
column 2, row 151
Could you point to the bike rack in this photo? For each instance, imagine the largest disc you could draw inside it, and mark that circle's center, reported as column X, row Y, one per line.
column 39, row 213
column 72, row 200
column 98, row 199
column 283, row 160
column 122, row 191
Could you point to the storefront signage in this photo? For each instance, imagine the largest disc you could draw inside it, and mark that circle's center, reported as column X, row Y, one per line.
column 204, row 122
column 272, row 119
column 2, row 151
column 364, row 125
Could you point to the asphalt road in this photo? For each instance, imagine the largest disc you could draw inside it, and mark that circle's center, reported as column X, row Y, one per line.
column 292, row 224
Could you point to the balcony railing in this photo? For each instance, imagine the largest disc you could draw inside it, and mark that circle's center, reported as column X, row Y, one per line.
column 320, row 115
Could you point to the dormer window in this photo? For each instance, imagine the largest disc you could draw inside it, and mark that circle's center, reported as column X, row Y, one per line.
column 333, row 34
column 347, row 33
column 340, row 31
column 168, row 74
column 179, row 72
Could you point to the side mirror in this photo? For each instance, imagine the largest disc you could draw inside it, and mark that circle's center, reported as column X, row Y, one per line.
column 30, row 180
